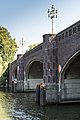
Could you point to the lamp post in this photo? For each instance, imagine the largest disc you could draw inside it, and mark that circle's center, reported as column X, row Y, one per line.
column 22, row 42
column 52, row 14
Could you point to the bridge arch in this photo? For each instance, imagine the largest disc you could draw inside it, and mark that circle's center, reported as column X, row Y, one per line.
column 72, row 65
column 33, row 73
column 31, row 65
column 70, row 78
column 35, row 70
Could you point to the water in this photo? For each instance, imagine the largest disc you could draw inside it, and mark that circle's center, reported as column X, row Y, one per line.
column 22, row 106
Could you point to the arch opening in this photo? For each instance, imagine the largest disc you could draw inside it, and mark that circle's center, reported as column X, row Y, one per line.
column 73, row 70
column 36, row 70
column 34, row 75
column 70, row 87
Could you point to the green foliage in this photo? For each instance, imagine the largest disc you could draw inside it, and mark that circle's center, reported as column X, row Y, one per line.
column 32, row 46
column 4, row 77
column 8, row 49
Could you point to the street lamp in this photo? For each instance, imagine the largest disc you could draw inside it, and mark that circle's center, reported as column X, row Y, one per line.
column 22, row 42
column 52, row 14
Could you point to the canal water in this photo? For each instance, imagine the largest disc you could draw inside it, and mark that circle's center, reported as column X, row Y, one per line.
column 22, row 106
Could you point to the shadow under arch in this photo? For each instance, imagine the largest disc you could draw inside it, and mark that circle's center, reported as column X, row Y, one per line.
column 29, row 66
column 35, row 70
column 33, row 74
column 69, row 63
column 70, row 79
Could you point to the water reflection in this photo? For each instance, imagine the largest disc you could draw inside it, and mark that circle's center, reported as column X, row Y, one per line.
column 5, row 99
column 22, row 106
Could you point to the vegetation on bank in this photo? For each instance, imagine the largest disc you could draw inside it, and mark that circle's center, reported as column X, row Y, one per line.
column 8, row 48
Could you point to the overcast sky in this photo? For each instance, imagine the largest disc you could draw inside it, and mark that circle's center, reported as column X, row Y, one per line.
column 29, row 18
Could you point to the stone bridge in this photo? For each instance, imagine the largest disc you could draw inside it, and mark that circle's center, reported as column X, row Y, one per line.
column 40, row 65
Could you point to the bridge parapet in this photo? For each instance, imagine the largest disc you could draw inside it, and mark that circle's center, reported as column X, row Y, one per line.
column 32, row 51
column 68, row 42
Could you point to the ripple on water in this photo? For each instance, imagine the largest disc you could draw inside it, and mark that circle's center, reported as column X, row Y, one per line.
column 22, row 106
column 19, row 115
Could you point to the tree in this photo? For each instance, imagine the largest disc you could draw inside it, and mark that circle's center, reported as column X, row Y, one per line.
column 33, row 45
column 8, row 49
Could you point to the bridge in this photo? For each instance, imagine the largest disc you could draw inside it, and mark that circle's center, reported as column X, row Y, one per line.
column 40, row 65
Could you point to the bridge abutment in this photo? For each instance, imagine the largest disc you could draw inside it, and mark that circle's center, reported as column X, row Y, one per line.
column 20, row 74
column 52, row 93
column 50, row 65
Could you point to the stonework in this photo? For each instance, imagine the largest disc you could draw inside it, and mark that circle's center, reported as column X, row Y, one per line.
column 60, row 49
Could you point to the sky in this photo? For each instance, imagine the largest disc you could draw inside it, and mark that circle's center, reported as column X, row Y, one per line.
column 28, row 19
